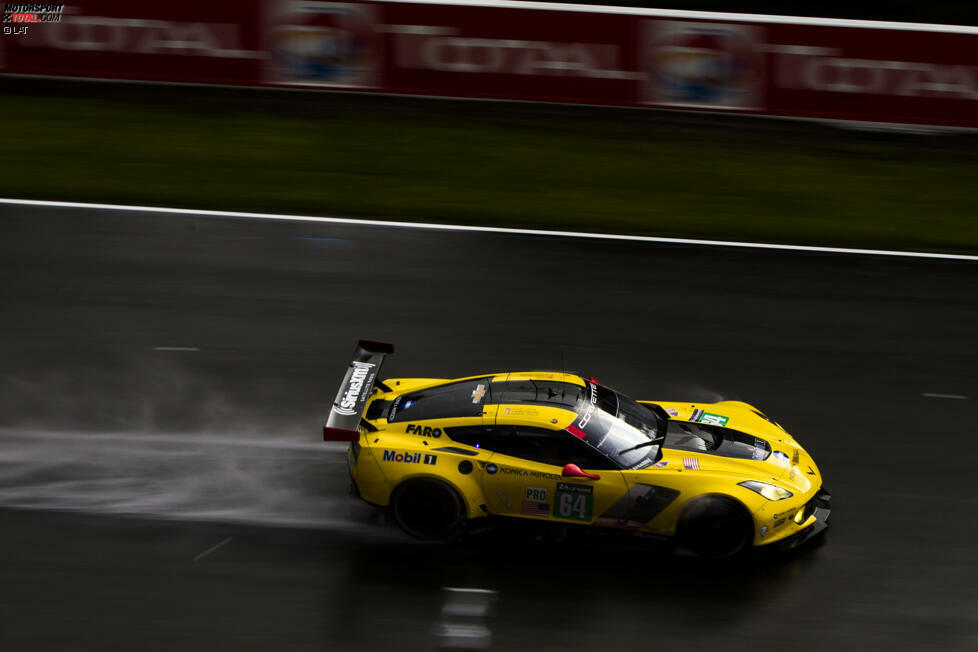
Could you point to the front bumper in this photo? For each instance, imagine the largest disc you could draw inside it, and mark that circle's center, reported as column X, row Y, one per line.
column 820, row 506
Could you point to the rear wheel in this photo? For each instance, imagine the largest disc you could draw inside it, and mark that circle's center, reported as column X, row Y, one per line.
column 428, row 509
column 716, row 527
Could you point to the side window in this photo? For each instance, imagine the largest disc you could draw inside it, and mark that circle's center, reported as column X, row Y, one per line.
column 491, row 438
column 557, row 448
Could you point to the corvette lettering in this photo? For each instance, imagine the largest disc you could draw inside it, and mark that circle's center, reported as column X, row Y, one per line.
column 424, row 431
column 590, row 408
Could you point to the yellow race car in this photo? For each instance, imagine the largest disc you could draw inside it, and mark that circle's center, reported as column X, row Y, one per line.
column 565, row 449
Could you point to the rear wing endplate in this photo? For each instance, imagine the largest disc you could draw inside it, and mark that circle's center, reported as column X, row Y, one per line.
column 343, row 423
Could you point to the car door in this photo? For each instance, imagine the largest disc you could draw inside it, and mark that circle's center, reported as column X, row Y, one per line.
column 654, row 498
column 523, row 478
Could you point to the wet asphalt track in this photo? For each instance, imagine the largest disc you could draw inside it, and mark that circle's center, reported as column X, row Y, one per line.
column 840, row 349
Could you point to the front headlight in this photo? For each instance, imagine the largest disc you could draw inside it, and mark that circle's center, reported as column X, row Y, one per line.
column 769, row 491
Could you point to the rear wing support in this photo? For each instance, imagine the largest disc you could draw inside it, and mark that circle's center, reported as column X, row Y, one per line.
column 343, row 423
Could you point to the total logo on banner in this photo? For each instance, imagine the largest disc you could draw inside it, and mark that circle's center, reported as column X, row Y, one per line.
column 322, row 44
column 410, row 458
column 703, row 65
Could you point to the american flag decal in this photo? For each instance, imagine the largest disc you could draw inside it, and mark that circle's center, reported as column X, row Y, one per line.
column 531, row 508
column 691, row 463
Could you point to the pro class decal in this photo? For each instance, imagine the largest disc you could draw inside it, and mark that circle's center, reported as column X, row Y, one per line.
column 699, row 416
column 538, row 494
column 574, row 502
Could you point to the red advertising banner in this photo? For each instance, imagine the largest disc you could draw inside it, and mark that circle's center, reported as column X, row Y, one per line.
column 812, row 68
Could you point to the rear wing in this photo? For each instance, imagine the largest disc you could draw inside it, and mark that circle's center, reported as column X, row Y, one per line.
column 343, row 423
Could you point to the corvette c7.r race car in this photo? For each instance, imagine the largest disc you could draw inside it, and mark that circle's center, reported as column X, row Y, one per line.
column 565, row 449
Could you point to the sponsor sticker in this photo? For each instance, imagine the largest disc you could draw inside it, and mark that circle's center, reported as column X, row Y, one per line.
column 691, row 463
column 763, row 531
column 423, row 431
column 794, row 456
column 522, row 412
column 660, row 464
column 394, row 406
column 322, row 44
column 491, row 469
column 409, row 458
column 703, row 65
column 528, row 473
column 673, row 412
column 699, row 416
column 574, row 502
column 780, row 456
column 358, row 378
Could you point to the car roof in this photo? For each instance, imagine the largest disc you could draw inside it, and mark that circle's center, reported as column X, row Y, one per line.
column 538, row 398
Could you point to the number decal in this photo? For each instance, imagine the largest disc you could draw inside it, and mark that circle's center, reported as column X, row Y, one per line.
column 574, row 502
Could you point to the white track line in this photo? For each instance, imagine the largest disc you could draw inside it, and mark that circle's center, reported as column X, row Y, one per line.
column 175, row 348
column 487, row 229
column 212, row 549
column 703, row 15
column 955, row 396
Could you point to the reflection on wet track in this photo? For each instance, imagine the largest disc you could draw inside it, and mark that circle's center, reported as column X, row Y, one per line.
column 165, row 380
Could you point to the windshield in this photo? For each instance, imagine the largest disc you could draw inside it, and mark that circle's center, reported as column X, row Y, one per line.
column 615, row 425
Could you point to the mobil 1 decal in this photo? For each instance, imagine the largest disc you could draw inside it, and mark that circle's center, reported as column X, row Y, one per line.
column 574, row 502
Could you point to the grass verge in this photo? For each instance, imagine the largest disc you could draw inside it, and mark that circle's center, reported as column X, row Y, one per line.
column 653, row 175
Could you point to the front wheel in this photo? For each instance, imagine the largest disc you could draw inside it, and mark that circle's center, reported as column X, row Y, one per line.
column 429, row 509
column 716, row 527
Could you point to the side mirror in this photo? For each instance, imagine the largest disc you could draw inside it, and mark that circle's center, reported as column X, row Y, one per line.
column 574, row 471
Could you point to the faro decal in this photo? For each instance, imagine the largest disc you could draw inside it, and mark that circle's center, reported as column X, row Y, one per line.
column 424, row 431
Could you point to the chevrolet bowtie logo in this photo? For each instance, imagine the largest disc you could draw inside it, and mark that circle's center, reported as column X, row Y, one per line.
column 478, row 393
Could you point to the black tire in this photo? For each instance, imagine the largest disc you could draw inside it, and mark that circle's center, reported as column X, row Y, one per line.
column 716, row 527
column 428, row 509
